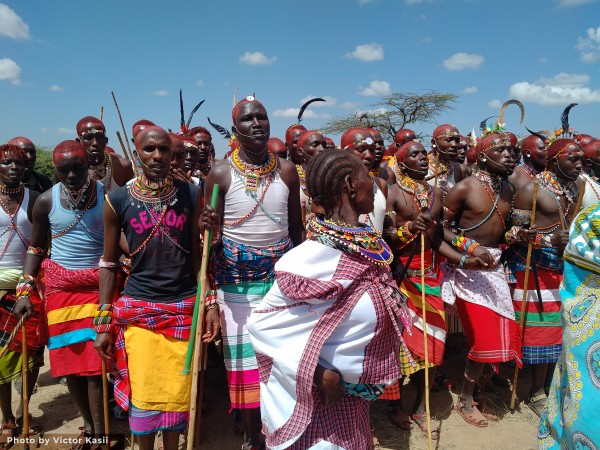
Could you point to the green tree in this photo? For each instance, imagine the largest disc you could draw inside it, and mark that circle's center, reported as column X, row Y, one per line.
column 43, row 161
column 395, row 111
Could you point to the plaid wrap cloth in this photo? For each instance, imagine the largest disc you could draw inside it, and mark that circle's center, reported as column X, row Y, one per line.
column 58, row 278
column 36, row 331
column 169, row 319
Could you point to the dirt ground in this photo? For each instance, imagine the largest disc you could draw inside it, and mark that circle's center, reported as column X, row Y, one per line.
column 52, row 409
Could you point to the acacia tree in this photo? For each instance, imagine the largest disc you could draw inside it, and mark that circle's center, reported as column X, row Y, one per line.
column 395, row 111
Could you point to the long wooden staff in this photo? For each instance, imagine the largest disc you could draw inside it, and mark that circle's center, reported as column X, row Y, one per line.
column 524, row 300
column 105, row 403
column 101, row 112
column 12, row 335
column 579, row 199
column 195, row 342
column 424, row 314
column 121, row 119
column 125, row 152
column 25, row 386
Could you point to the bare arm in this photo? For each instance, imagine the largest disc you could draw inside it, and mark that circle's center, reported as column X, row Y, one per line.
column 290, row 177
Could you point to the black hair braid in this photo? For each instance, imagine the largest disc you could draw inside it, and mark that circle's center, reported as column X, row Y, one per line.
column 325, row 176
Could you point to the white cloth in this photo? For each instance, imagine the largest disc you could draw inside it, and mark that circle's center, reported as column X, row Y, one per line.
column 487, row 288
column 258, row 230
column 376, row 217
column 591, row 195
column 11, row 239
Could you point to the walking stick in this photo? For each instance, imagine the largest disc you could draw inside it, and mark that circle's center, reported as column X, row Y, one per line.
column 195, row 346
column 579, row 199
column 424, row 313
column 12, row 335
column 105, row 402
column 101, row 112
column 125, row 152
column 524, row 301
column 25, row 386
column 121, row 119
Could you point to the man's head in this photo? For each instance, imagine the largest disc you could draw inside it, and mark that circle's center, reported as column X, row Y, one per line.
column 403, row 136
column 139, row 126
column 178, row 158
column 379, row 145
column 251, row 125
column 358, row 141
column 203, row 139
column 591, row 156
column 412, row 159
column 494, row 154
column 535, row 153
column 330, row 143
column 12, row 164
column 71, row 164
column 154, row 149
column 584, row 139
column 309, row 144
column 446, row 140
column 30, row 154
column 565, row 158
column 277, row 147
column 92, row 134
column 291, row 141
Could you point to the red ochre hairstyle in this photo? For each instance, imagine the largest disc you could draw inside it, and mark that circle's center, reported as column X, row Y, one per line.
column 197, row 130
column 401, row 153
column 13, row 149
column 304, row 136
column 88, row 120
column 348, row 138
column 68, row 148
column 290, row 131
column 20, row 140
column 236, row 108
column 592, row 149
column 558, row 146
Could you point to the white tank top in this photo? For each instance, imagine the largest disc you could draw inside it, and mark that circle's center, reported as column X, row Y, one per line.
column 268, row 223
column 591, row 196
column 375, row 218
column 15, row 236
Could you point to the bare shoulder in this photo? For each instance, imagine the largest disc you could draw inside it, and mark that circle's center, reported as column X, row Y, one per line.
column 288, row 172
column 219, row 169
column 43, row 204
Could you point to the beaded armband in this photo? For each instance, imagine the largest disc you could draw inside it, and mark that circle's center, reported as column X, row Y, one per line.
column 25, row 285
column 103, row 318
column 211, row 301
column 404, row 233
column 512, row 235
column 465, row 245
column 542, row 241
column 37, row 251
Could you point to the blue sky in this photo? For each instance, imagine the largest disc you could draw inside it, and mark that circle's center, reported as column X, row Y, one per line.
column 59, row 60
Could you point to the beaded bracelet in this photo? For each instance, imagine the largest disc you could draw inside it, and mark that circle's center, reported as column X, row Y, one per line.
column 107, row 264
column 211, row 301
column 37, row 251
column 462, row 261
column 512, row 235
column 404, row 233
column 465, row 244
column 104, row 309
column 542, row 241
column 104, row 328
column 25, row 285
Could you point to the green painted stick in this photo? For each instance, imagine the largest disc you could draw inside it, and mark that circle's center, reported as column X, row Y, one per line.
column 201, row 290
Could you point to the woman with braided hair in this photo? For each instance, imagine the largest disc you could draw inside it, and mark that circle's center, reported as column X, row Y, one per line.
column 327, row 334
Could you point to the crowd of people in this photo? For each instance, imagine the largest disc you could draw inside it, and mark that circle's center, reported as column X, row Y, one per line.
column 322, row 256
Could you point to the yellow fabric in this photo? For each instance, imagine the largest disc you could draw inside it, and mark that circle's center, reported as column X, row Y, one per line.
column 9, row 278
column 416, row 299
column 68, row 313
column 155, row 364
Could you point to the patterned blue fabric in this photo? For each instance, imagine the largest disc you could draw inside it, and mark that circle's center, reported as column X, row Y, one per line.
column 541, row 355
column 544, row 258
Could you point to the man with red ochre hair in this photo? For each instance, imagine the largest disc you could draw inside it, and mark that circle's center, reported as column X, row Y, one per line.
column 445, row 143
column 556, row 199
column 139, row 126
column 379, row 146
column 400, row 138
column 71, row 215
column 534, row 156
column 203, row 139
column 33, row 180
column 591, row 174
column 107, row 168
column 277, row 147
column 291, row 140
column 330, row 143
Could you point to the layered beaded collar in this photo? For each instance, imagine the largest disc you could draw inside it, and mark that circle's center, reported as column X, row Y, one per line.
column 493, row 181
column 252, row 173
column 361, row 240
column 102, row 172
column 528, row 170
column 421, row 192
column 10, row 190
column 551, row 182
column 157, row 194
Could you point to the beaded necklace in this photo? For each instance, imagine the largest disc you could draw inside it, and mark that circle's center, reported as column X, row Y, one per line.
column 10, row 190
column 528, row 170
column 421, row 192
column 361, row 240
column 13, row 226
column 490, row 184
column 158, row 194
column 251, row 172
column 102, row 172
column 302, row 176
column 594, row 181
column 444, row 173
column 550, row 182
column 204, row 168
column 73, row 204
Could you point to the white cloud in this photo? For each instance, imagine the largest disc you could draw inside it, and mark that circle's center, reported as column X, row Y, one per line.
column 10, row 70
column 257, row 59
column 293, row 112
column 63, row 130
column 569, row 3
column 199, row 83
column 55, row 88
column 376, row 88
column 562, row 89
column 496, row 104
column 348, row 105
column 329, row 101
column 589, row 47
column 543, row 60
column 11, row 25
column 160, row 93
column 462, row 61
column 470, row 90
column 366, row 53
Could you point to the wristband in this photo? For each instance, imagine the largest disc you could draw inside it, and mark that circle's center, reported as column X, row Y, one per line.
column 462, row 261
column 404, row 233
column 25, row 285
column 107, row 264
column 211, row 301
column 37, row 251
column 465, row 245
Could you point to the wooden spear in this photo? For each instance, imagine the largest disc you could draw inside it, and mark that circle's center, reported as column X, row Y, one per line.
column 25, row 386
column 424, row 314
column 122, row 124
column 579, row 199
column 125, row 152
column 195, row 346
column 105, row 403
column 524, row 300
column 12, row 335
column 101, row 112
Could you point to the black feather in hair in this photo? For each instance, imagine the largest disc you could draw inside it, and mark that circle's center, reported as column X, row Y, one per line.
column 564, row 118
column 303, row 107
column 193, row 112
column 220, row 129
column 541, row 136
column 182, row 119
column 483, row 123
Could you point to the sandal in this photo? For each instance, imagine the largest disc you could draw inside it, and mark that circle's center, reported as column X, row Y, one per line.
column 33, row 429
column 117, row 412
column 399, row 418
column 537, row 403
column 421, row 421
column 474, row 417
column 9, row 430
column 485, row 411
column 376, row 444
